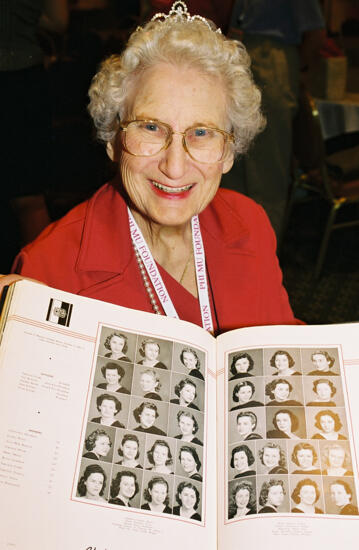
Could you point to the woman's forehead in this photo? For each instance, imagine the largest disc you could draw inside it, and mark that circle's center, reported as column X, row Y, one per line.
column 180, row 96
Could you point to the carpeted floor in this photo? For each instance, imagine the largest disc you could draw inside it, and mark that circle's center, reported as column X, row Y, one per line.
column 334, row 297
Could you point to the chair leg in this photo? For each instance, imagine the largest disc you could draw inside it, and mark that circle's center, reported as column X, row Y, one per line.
column 325, row 239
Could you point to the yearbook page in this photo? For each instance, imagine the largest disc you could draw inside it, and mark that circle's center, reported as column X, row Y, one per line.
column 107, row 431
column 289, row 431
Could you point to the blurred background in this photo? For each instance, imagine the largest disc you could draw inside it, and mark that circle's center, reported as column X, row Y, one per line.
column 318, row 150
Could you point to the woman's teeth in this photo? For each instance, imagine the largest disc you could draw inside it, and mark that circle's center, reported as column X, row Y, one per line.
column 171, row 189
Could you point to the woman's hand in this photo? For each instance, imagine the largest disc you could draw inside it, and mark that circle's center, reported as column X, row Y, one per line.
column 6, row 280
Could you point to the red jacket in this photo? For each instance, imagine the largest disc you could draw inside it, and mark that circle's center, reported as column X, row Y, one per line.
column 89, row 252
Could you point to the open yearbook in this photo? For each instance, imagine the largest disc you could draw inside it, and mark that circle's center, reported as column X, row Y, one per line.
column 123, row 429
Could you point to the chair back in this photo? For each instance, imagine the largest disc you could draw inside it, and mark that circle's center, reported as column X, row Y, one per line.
column 309, row 148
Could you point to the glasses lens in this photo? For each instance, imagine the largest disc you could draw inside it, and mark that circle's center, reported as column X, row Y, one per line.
column 145, row 138
column 205, row 144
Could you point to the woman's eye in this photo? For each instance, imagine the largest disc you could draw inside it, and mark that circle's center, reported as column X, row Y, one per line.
column 200, row 132
column 151, row 127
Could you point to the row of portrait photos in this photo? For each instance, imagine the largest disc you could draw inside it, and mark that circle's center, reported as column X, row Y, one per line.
column 277, row 361
column 127, row 347
column 297, row 494
column 167, row 490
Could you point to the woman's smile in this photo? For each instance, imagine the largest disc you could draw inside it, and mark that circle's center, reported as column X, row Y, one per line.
column 172, row 192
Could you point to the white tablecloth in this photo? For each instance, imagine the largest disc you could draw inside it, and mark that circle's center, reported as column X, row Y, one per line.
column 339, row 117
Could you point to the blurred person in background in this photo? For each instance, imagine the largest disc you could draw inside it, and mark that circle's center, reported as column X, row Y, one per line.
column 282, row 38
column 25, row 113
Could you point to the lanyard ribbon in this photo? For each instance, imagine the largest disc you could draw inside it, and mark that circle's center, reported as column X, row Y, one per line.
column 155, row 277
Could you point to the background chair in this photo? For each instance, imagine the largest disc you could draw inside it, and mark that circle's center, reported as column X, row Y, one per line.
column 333, row 178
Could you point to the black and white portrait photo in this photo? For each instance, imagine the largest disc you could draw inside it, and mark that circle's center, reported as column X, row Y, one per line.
column 286, row 423
column 113, row 376
column 242, row 460
column 320, row 362
column 242, row 498
column 272, row 457
column 157, row 493
column 130, row 449
column 306, row 497
column 186, row 425
column 109, row 409
column 99, row 442
column 246, row 394
column 149, row 416
column 244, row 364
column 304, row 458
column 117, row 345
column 189, row 461
column 187, row 392
column 282, row 362
column 93, row 481
column 189, row 361
column 153, row 352
column 125, row 487
column 160, row 455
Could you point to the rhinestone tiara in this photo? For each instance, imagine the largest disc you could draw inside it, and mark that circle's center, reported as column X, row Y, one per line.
column 179, row 13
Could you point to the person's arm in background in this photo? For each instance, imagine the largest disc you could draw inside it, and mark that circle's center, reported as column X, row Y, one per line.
column 311, row 24
column 55, row 16
column 312, row 42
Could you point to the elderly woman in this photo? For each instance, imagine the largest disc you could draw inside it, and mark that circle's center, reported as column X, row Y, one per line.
column 150, row 351
column 123, row 488
column 305, row 495
column 92, row 483
column 116, row 343
column 186, row 391
column 146, row 414
column 113, row 374
column 173, row 109
column 241, row 460
column 242, row 394
column 278, row 391
column 341, row 495
column 150, row 385
column 271, row 496
column 190, row 462
column 284, row 363
column 322, row 362
column 98, row 445
column 129, row 451
column 305, row 458
column 273, row 458
column 246, row 424
column 160, row 457
column 328, row 424
column 108, row 406
column 325, row 390
column 285, row 423
column 188, row 426
column 336, row 460
column 241, row 364
column 157, row 496
column 187, row 496
column 242, row 500
column 190, row 360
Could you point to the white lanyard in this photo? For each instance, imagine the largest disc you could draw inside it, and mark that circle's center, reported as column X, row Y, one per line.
column 157, row 281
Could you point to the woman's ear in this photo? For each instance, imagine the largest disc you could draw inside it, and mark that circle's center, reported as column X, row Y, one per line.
column 228, row 162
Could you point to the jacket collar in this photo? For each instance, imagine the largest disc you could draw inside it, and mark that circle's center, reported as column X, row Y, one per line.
column 106, row 241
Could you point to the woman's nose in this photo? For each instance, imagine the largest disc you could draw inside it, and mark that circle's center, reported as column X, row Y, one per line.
column 174, row 158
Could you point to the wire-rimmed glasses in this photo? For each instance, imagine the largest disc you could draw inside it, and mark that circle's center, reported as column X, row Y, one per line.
column 146, row 138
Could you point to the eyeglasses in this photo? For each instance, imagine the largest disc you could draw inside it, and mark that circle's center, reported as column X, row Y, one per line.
column 146, row 138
